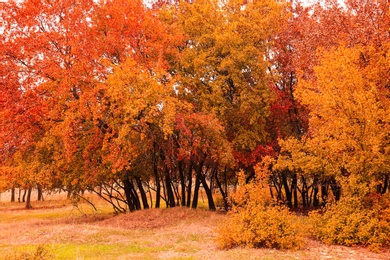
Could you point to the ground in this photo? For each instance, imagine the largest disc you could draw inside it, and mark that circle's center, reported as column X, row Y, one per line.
column 60, row 229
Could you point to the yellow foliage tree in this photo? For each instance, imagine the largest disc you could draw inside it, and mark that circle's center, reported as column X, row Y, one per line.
column 349, row 121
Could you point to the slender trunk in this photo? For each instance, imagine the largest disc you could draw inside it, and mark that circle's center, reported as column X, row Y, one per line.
column 134, row 194
column 287, row 189
column 278, row 189
column 168, row 186
column 28, row 200
column 198, row 171
column 129, row 195
column 208, row 191
column 385, row 184
column 142, row 192
column 316, row 202
column 189, row 189
column 226, row 182
column 224, row 196
column 182, row 183
column 150, row 197
column 40, row 193
column 196, row 192
column 13, row 194
column 304, row 193
column 294, row 189
column 324, row 193
column 157, row 178
column 24, row 195
column 336, row 189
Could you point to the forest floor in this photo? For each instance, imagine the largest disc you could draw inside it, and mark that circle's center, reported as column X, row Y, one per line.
column 59, row 229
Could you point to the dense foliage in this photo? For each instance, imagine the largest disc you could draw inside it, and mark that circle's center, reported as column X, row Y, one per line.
column 151, row 104
column 257, row 221
column 351, row 222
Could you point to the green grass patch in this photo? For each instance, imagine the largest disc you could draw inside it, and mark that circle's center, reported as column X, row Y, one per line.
column 77, row 251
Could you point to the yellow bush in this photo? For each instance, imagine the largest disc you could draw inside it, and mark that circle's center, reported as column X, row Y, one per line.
column 256, row 222
column 353, row 221
column 271, row 227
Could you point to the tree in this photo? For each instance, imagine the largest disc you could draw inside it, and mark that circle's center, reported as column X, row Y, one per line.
column 224, row 66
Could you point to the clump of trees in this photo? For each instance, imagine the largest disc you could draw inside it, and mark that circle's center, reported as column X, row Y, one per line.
column 151, row 105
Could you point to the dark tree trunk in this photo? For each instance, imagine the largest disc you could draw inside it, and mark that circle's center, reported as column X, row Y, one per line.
column 157, row 178
column 223, row 193
column 336, row 189
column 28, row 199
column 142, row 192
column 304, row 193
column 287, row 189
column 189, row 189
column 294, row 190
column 135, row 196
column 168, row 186
column 386, row 184
column 382, row 188
column 13, row 194
column 129, row 194
column 324, row 193
column 208, row 191
column 316, row 202
column 182, row 184
column 24, row 195
column 196, row 191
column 40, row 193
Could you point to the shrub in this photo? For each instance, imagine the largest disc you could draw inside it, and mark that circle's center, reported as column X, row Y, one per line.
column 255, row 221
column 353, row 221
column 261, row 226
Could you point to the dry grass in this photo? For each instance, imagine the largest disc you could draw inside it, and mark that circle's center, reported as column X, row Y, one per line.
column 67, row 232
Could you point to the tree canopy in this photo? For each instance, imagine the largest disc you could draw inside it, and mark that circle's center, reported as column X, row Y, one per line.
column 146, row 105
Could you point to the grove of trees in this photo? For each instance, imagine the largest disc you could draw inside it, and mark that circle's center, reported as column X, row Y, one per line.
column 145, row 104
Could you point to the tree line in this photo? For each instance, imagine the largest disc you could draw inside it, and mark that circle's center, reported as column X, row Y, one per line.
column 145, row 105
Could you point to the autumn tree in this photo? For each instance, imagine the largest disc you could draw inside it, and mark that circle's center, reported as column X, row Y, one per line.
column 322, row 26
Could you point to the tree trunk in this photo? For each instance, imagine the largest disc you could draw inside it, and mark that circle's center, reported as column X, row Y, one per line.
column 24, row 195
column 40, row 193
column 189, row 189
column 129, row 194
column 28, row 200
column 336, row 189
column 168, row 186
column 294, row 189
column 142, row 192
column 208, row 192
column 136, row 201
column 224, row 196
column 157, row 179
column 13, row 194
column 385, row 184
column 196, row 192
column 182, row 184
column 316, row 202
column 324, row 193
column 287, row 189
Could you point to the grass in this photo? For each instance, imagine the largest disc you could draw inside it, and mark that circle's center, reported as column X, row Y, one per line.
column 56, row 229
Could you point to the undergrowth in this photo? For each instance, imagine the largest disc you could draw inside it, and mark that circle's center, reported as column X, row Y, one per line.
column 354, row 221
column 255, row 220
